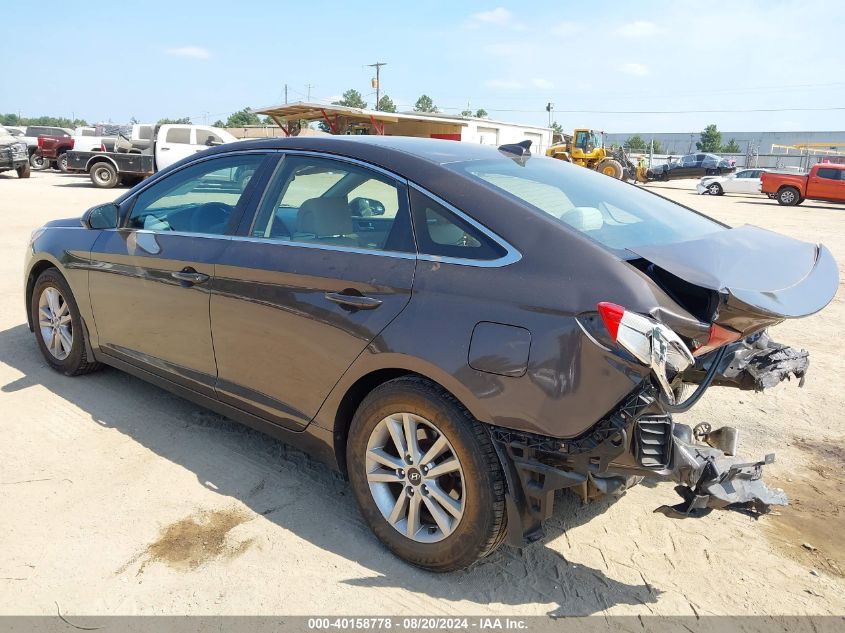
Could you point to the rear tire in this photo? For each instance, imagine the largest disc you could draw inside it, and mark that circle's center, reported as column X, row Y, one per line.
column 715, row 189
column 104, row 176
column 474, row 483
column 788, row 196
column 37, row 162
column 58, row 325
column 24, row 171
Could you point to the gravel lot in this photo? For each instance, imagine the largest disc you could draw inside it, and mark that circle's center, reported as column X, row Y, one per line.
column 118, row 498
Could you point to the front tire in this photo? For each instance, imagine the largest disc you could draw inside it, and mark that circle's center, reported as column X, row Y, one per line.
column 104, row 175
column 63, row 163
column 715, row 189
column 610, row 167
column 58, row 325
column 788, row 196
column 426, row 476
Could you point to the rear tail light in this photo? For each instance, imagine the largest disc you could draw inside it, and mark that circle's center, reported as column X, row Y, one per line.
column 102, row 147
column 72, row 143
column 40, row 141
column 650, row 342
column 718, row 336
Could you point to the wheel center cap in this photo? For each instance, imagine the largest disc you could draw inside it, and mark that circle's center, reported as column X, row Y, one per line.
column 414, row 476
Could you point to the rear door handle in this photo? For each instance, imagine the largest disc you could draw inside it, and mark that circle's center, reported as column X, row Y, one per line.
column 357, row 302
column 190, row 276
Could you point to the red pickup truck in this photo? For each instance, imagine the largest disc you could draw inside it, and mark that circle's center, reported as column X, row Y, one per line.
column 826, row 181
column 52, row 151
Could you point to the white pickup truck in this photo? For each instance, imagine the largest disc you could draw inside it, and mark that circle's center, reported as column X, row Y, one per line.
column 134, row 158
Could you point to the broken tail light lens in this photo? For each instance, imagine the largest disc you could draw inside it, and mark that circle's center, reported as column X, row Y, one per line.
column 718, row 336
column 650, row 342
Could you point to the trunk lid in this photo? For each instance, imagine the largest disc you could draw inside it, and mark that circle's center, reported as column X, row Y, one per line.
column 760, row 277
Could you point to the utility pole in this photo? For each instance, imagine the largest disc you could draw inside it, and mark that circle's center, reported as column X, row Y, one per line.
column 376, row 83
column 308, row 90
column 286, row 94
column 550, row 108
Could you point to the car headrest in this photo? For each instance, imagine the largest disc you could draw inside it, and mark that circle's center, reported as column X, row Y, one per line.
column 584, row 218
column 324, row 217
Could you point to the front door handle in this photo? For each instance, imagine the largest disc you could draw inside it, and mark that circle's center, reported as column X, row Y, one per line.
column 357, row 302
column 190, row 276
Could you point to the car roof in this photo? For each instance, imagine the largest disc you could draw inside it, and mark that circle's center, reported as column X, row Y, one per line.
column 379, row 149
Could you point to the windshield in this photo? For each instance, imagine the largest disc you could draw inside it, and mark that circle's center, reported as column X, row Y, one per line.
column 614, row 214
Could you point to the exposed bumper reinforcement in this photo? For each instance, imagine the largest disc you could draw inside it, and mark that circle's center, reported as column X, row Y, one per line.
column 711, row 480
column 637, row 440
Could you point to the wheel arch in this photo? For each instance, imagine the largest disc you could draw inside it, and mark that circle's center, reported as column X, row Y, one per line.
column 100, row 159
column 34, row 273
column 339, row 409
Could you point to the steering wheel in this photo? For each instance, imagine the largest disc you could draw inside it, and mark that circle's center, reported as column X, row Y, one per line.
column 211, row 217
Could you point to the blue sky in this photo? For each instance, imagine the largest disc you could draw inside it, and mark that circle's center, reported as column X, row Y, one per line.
column 611, row 60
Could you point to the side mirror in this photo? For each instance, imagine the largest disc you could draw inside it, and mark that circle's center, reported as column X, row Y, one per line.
column 366, row 207
column 212, row 143
column 103, row 216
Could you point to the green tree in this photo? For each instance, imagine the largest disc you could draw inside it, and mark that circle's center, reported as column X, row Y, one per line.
column 242, row 118
column 425, row 104
column 711, row 139
column 219, row 123
column 351, row 99
column 557, row 128
column 466, row 112
column 385, row 104
column 635, row 143
column 656, row 146
column 53, row 121
column 481, row 113
column 185, row 120
column 732, row 147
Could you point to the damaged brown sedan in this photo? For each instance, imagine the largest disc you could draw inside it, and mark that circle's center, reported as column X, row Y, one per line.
column 462, row 330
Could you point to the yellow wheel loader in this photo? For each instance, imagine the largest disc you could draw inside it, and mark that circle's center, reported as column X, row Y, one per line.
column 586, row 148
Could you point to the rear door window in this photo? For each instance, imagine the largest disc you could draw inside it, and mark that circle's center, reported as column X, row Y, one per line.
column 320, row 201
column 828, row 173
column 179, row 135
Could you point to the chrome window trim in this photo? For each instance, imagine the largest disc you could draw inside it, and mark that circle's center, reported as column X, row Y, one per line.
column 325, row 247
column 511, row 256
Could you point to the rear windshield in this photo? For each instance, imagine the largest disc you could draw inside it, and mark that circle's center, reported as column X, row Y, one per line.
column 614, row 214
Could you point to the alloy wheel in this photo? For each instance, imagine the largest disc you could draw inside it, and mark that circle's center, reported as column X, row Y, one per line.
column 415, row 477
column 55, row 323
column 713, row 189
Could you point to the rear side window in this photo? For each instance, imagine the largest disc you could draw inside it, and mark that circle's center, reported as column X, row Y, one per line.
column 206, row 136
column 444, row 234
column 830, row 174
column 179, row 135
column 145, row 132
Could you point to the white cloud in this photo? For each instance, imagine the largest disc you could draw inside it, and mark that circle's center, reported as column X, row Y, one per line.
column 194, row 52
column 503, row 84
column 499, row 15
column 539, row 82
column 632, row 68
column 638, row 28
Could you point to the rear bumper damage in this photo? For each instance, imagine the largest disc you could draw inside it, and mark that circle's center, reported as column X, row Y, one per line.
column 639, row 439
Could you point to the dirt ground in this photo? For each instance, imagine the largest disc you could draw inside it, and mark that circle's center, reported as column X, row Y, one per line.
column 119, row 498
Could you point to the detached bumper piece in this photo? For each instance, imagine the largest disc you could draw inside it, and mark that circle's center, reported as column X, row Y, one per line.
column 639, row 439
column 711, row 480
column 755, row 364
